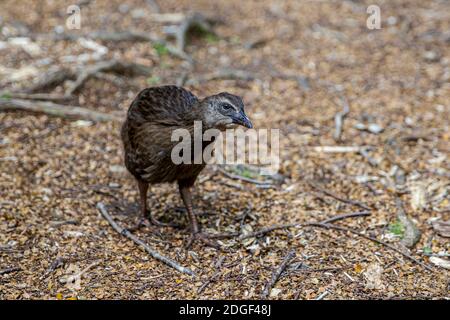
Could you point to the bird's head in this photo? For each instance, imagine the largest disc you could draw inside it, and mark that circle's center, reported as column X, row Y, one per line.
column 224, row 110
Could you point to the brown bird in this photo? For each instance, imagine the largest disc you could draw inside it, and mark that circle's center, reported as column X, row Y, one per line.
column 146, row 134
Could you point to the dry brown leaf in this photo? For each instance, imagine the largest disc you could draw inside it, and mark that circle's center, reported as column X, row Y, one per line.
column 443, row 263
column 442, row 228
column 373, row 277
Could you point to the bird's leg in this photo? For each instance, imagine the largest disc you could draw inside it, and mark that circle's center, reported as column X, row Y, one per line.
column 146, row 218
column 196, row 234
column 143, row 220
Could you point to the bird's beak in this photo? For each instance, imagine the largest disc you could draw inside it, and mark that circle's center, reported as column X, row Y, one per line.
column 242, row 120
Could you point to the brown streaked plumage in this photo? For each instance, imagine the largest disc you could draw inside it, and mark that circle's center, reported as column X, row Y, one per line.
column 146, row 134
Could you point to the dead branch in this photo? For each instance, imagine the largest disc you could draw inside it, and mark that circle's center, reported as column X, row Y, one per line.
column 167, row 17
column 277, row 273
column 35, row 96
column 51, row 80
column 339, row 118
column 195, row 20
column 238, row 177
column 339, row 198
column 257, row 233
column 323, row 295
column 74, row 277
column 364, row 152
column 343, row 229
column 228, row 74
column 9, row 270
column 266, row 230
column 338, row 149
column 151, row 251
column 131, row 69
column 127, row 36
column 345, row 216
column 57, row 263
column 208, row 281
column 53, row 109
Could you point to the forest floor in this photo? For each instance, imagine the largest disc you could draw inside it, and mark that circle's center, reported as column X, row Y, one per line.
column 300, row 64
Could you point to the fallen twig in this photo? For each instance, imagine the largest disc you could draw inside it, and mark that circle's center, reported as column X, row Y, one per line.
column 115, row 66
column 208, row 281
column 127, row 36
column 51, row 80
column 266, row 230
column 227, row 74
column 238, row 177
column 277, row 273
column 257, row 233
column 195, row 20
column 365, row 154
column 323, row 295
column 53, row 109
column 9, row 270
column 167, row 17
column 151, row 251
column 57, row 263
column 339, row 198
column 74, row 277
column 343, row 229
column 345, row 216
column 339, row 118
column 338, row 149
column 35, row 96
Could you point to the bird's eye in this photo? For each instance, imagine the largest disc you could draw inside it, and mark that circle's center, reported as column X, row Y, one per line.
column 227, row 106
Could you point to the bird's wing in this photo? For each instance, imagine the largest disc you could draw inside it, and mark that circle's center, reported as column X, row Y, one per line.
column 164, row 104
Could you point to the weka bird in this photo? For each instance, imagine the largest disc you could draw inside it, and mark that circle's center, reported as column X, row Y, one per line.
column 147, row 131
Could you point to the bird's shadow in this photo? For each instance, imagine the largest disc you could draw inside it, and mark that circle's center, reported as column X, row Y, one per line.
column 129, row 213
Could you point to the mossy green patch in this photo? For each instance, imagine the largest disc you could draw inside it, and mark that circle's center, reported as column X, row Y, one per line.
column 397, row 228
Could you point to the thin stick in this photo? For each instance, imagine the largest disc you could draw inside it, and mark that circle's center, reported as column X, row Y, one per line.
column 229, row 74
column 53, row 109
column 343, row 229
column 238, row 177
column 257, row 233
column 139, row 242
column 127, row 36
column 58, row 262
column 35, row 96
column 323, row 295
column 338, row 149
column 194, row 20
column 263, row 231
column 115, row 66
column 339, row 198
column 339, row 118
column 208, row 281
column 277, row 273
column 345, row 216
column 51, row 79
column 9, row 270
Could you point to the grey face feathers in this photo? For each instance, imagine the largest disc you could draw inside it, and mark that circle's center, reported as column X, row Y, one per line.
column 224, row 110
